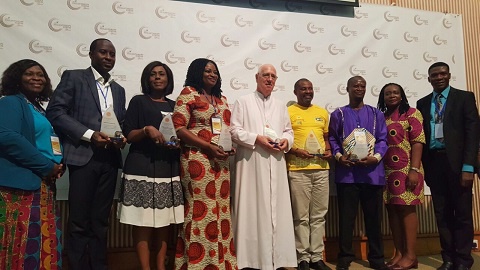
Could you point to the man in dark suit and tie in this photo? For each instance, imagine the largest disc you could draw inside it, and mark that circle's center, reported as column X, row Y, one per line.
column 451, row 126
column 75, row 111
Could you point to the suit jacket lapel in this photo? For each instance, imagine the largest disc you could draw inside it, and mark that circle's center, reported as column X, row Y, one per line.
column 92, row 85
column 451, row 101
column 425, row 110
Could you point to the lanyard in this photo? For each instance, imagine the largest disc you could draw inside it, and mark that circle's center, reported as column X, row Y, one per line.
column 103, row 94
column 214, row 103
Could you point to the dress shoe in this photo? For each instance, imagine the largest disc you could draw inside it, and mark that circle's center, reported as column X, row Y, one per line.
column 303, row 265
column 413, row 265
column 462, row 267
column 342, row 267
column 446, row 266
column 320, row 265
column 379, row 266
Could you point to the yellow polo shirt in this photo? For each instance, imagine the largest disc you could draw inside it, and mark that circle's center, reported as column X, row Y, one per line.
column 303, row 121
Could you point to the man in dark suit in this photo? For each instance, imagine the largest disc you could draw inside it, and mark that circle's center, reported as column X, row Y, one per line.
column 75, row 111
column 451, row 126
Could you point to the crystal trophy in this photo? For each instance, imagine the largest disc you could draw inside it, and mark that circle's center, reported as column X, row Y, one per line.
column 225, row 140
column 272, row 135
column 110, row 125
column 360, row 149
column 168, row 130
column 312, row 145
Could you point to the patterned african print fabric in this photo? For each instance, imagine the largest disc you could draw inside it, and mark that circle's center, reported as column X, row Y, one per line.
column 29, row 230
column 402, row 131
column 206, row 241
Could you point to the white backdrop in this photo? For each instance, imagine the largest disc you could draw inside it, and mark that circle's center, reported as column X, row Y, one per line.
column 381, row 43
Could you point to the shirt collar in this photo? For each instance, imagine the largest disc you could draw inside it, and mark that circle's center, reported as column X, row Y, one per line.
column 444, row 92
column 100, row 79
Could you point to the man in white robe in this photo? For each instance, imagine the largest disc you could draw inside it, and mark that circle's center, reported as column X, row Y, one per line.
column 262, row 218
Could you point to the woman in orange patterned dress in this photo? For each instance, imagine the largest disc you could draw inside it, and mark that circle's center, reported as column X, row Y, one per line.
column 206, row 240
column 404, row 172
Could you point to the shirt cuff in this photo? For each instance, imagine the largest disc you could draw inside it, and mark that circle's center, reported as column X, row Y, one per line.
column 87, row 135
column 377, row 156
column 467, row 168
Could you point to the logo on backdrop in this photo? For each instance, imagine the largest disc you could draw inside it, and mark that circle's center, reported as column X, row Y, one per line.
column 7, row 21
column 278, row 26
column 203, row 18
column 447, row 23
column 36, row 47
column 102, row 30
column 342, row 89
column 387, row 73
column 129, row 55
column 419, row 76
column 264, row 45
column 278, row 87
column 397, row 54
column 379, row 35
column 453, row 59
column 329, row 107
column 217, row 61
column 367, row 53
column 360, row 15
column 56, row 26
column 119, row 77
column 227, row 42
column 375, row 90
column 82, row 50
column 354, row 71
column 249, row 64
column 60, row 70
column 256, row 3
column 1, row 46
column 419, row 21
column 439, row 41
column 235, row 84
column 171, row 58
column 241, row 22
column 145, row 33
column 293, row 6
column 163, row 14
column 120, row 9
column 31, row 2
column 300, row 48
column 313, row 29
column 322, row 69
column 347, row 32
column 187, row 38
column 409, row 38
column 286, row 67
column 409, row 93
column 389, row 17
column 429, row 58
column 334, row 50
column 75, row 5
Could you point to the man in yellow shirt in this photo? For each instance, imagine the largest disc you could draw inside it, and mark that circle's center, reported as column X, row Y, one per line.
column 308, row 172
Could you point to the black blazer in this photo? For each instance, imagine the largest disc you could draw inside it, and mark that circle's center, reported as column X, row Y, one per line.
column 75, row 107
column 461, row 129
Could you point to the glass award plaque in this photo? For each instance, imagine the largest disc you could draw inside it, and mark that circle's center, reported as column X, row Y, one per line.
column 167, row 129
column 110, row 125
column 225, row 140
column 312, row 145
column 360, row 149
column 272, row 135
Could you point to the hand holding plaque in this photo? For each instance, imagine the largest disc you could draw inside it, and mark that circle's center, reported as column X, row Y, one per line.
column 168, row 130
column 110, row 126
column 225, row 139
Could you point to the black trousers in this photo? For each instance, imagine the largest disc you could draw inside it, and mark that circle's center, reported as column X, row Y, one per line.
column 90, row 198
column 453, row 210
column 370, row 198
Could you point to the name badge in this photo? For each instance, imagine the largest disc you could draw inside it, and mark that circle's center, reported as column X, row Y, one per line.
column 216, row 125
column 439, row 131
column 57, row 150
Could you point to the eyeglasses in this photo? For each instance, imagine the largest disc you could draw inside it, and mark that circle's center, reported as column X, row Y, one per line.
column 268, row 75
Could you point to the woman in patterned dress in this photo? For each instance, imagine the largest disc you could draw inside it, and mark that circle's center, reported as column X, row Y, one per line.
column 151, row 196
column 404, row 172
column 206, row 241
column 30, row 163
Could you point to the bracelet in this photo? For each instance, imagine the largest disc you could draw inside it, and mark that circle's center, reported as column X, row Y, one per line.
column 145, row 130
column 415, row 169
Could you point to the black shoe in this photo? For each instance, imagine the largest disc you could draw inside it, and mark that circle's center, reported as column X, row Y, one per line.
column 303, row 265
column 342, row 266
column 446, row 266
column 320, row 265
column 379, row 266
column 462, row 267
